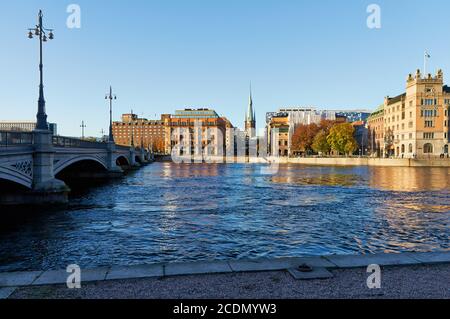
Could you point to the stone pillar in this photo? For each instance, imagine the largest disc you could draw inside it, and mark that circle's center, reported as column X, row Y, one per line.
column 133, row 163
column 46, row 188
column 113, row 169
column 142, row 156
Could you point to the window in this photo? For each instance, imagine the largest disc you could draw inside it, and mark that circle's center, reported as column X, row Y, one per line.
column 428, row 136
column 428, row 148
column 429, row 124
column 429, row 102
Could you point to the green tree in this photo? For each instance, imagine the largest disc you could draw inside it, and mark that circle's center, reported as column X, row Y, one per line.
column 320, row 143
column 341, row 139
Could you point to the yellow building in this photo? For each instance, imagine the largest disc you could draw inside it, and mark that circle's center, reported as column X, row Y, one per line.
column 182, row 135
column 278, row 135
column 415, row 123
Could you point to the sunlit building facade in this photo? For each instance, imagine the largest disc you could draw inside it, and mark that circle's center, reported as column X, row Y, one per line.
column 141, row 132
column 196, row 132
column 415, row 123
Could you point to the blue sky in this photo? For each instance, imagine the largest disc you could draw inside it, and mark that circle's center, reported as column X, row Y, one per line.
column 170, row 54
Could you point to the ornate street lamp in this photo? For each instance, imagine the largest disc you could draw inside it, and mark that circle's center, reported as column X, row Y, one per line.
column 83, row 126
column 41, row 32
column 110, row 97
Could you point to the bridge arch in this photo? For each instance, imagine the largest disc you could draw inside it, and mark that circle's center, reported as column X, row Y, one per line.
column 122, row 160
column 77, row 160
column 138, row 159
column 14, row 180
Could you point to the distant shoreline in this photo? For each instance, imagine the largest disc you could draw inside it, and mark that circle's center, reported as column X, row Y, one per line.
column 325, row 161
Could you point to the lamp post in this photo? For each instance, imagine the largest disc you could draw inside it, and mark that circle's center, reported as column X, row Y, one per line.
column 132, row 129
column 82, row 129
column 110, row 97
column 41, row 33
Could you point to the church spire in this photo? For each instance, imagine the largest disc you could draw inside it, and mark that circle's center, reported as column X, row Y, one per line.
column 250, row 118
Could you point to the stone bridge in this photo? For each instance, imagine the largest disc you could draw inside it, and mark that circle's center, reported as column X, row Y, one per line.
column 36, row 167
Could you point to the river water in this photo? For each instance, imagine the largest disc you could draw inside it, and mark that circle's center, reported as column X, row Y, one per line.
column 169, row 212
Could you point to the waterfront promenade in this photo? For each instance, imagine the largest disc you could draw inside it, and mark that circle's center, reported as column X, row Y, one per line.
column 406, row 275
column 325, row 161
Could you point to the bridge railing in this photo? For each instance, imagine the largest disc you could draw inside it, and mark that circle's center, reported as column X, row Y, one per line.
column 13, row 138
column 62, row 141
column 122, row 147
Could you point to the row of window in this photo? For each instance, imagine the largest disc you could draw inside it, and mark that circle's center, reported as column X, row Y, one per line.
column 428, row 113
column 429, row 102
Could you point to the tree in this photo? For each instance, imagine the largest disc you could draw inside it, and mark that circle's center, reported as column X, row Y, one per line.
column 303, row 137
column 320, row 143
column 341, row 139
column 326, row 125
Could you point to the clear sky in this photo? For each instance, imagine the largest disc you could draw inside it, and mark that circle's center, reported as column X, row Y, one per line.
column 170, row 54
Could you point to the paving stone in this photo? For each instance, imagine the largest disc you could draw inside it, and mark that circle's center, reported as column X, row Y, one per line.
column 5, row 292
column 53, row 277
column 353, row 261
column 197, row 268
column 264, row 264
column 432, row 257
column 317, row 273
column 17, row 279
column 132, row 272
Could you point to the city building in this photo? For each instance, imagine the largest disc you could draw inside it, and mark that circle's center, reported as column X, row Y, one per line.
column 140, row 132
column 278, row 134
column 27, row 126
column 196, row 132
column 415, row 123
column 289, row 118
column 353, row 116
column 376, row 132
column 361, row 136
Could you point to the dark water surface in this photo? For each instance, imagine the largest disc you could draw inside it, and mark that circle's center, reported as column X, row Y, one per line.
column 168, row 212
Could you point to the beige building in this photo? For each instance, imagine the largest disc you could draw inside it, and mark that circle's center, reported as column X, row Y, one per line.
column 196, row 132
column 278, row 135
column 415, row 123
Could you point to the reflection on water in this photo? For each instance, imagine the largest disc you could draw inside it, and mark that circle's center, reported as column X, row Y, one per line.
column 168, row 212
column 409, row 179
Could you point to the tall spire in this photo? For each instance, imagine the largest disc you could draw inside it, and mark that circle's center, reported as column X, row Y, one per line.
column 250, row 117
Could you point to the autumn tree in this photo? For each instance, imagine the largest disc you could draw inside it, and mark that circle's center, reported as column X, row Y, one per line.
column 326, row 125
column 320, row 143
column 303, row 137
column 342, row 140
